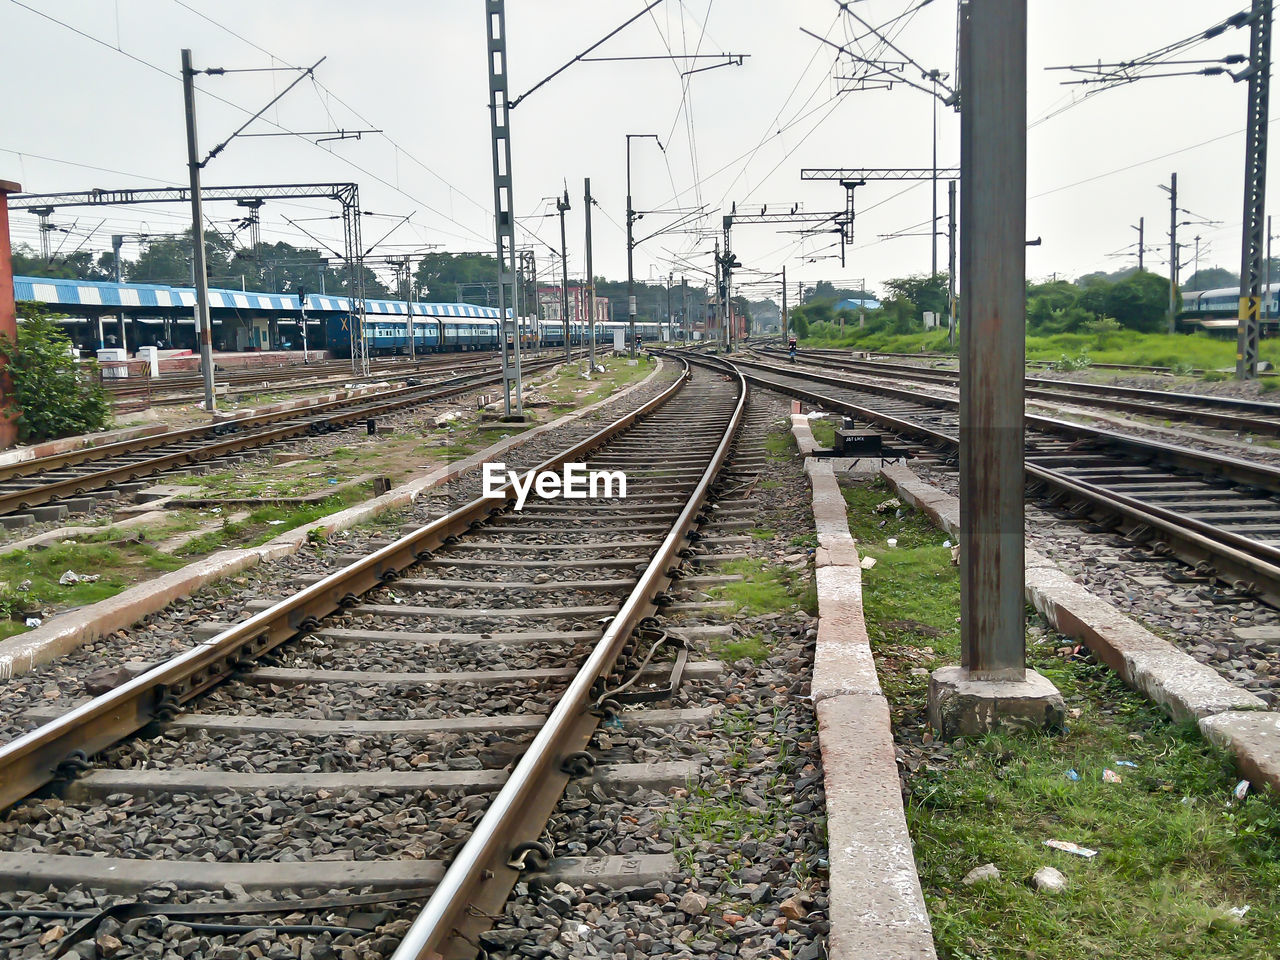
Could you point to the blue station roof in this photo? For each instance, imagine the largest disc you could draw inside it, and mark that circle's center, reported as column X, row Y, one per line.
column 135, row 296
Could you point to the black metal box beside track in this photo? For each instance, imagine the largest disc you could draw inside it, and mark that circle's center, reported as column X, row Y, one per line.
column 858, row 443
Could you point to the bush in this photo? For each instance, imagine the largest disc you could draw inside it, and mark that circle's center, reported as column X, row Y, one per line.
column 1067, row 364
column 54, row 400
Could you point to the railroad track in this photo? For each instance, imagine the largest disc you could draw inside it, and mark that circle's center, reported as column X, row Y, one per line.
column 1217, row 514
column 1228, row 413
column 71, row 476
column 175, row 388
column 1130, row 367
column 524, row 632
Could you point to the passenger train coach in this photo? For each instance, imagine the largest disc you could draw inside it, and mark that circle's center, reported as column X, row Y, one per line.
column 1217, row 311
column 387, row 335
column 248, row 320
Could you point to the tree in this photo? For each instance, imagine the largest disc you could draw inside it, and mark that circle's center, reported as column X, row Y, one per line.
column 924, row 292
column 1212, row 278
column 79, row 265
column 52, row 397
column 799, row 322
column 1139, row 302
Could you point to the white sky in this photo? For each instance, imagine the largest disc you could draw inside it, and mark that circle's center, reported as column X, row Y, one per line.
column 416, row 69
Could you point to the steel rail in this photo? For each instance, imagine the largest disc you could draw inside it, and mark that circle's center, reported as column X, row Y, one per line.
column 1260, row 475
column 301, row 422
column 40, row 756
column 449, row 924
column 1231, row 413
column 1247, row 565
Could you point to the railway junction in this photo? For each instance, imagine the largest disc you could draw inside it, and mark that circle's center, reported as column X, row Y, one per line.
column 458, row 613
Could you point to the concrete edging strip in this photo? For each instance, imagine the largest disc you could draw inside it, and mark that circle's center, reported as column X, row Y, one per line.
column 1229, row 716
column 876, row 904
column 68, row 631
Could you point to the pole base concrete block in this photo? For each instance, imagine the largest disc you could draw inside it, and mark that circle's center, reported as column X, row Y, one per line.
column 960, row 706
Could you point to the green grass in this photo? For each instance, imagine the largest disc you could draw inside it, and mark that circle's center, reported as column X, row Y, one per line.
column 1197, row 350
column 733, row 649
column 257, row 528
column 1175, row 853
column 116, row 566
column 824, row 431
column 730, row 819
column 766, row 588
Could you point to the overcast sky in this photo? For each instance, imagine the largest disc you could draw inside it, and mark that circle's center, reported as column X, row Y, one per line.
column 88, row 111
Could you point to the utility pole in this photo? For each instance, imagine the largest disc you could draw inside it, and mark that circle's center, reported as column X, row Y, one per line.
column 562, row 205
column 632, row 217
column 1266, row 301
column 302, row 312
column 687, row 323
column 671, row 333
column 1172, row 190
column 1142, row 240
column 591, row 283
column 204, row 323
column 117, row 243
column 408, row 303
column 951, row 263
column 784, row 303
column 1255, row 188
column 495, row 16
column 993, row 682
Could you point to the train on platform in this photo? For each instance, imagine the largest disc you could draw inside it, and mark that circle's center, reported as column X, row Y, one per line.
column 388, row 336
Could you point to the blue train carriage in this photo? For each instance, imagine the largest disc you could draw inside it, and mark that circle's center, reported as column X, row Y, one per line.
column 436, row 327
column 1217, row 311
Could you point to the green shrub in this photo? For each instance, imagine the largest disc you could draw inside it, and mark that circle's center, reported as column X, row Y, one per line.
column 1066, row 364
column 52, row 397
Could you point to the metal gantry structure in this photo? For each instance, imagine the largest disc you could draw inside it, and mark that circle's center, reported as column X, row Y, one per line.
column 1253, row 244
column 503, row 208
column 347, row 196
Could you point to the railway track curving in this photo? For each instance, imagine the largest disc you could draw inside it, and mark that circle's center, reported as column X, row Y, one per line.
column 77, row 473
column 1219, row 515
column 515, row 667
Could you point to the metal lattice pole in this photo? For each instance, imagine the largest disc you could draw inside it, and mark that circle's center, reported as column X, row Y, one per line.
column 354, row 257
column 1255, row 190
column 495, row 16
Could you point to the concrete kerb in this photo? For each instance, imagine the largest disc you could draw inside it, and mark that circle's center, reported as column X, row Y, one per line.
column 876, row 904
column 68, row 631
column 1229, row 716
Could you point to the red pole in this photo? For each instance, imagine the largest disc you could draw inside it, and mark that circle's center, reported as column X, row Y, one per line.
column 8, row 319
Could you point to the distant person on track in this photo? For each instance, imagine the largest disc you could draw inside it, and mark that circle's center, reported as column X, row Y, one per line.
column 791, row 349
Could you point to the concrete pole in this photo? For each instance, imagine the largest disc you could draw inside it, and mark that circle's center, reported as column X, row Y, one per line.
column 784, row 303
column 8, row 321
column 687, row 323
column 562, row 205
column 1172, row 190
column 408, row 304
column 591, row 283
column 951, row 263
column 631, row 277
column 203, row 320
column 993, row 174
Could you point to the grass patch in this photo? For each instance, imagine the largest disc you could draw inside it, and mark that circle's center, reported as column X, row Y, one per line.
column 732, row 649
column 1175, row 853
column 1174, row 350
column 824, row 431
column 29, row 578
column 729, row 817
column 766, row 588
column 780, row 444
column 258, row 528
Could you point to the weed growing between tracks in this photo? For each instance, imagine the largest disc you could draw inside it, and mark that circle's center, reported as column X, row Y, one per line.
column 1176, row 854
